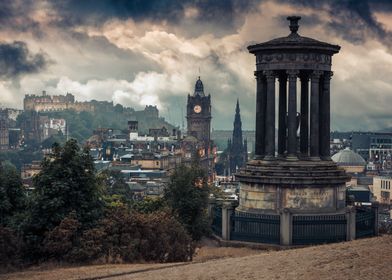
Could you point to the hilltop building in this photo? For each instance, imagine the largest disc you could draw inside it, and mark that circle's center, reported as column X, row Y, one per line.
column 54, row 103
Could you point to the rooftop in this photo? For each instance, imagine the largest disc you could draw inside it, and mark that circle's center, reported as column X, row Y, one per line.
column 348, row 157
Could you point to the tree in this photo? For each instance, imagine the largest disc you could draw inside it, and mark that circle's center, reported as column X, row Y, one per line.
column 12, row 194
column 187, row 194
column 66, row 183
column 115, row 184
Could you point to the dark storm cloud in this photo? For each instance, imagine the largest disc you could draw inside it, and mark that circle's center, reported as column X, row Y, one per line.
column 16, row 60
column 353, row 20
column 75, row 12
column 14, row 14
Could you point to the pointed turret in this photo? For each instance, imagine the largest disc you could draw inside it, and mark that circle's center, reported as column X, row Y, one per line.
column 199, row 88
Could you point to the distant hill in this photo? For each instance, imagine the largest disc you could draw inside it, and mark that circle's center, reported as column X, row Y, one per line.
column 80, row 125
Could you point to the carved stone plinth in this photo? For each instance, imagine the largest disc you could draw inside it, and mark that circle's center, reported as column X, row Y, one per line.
column 270, row 186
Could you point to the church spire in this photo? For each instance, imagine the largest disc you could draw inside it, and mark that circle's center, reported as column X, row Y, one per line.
column 237, row 152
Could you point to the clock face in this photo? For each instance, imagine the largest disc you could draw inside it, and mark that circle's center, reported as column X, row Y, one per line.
column 197, row 109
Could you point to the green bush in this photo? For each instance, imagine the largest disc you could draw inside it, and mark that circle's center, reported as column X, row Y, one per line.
column 187, row 194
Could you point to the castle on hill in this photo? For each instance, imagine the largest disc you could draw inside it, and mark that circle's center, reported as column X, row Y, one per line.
column 55, row 103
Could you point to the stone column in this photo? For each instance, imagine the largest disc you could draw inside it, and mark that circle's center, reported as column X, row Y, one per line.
column 227, row 210
column 210, row 209
column 351, row 223
column 314, row 115
column 286, row 228
column 261, row 98
column 304, row 129
column 375, row 208
column 270, row 117
column 282, row 127
column 292, row 115
column 325, row 127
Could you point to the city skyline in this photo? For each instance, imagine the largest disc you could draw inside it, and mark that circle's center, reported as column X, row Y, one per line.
column 151, row 52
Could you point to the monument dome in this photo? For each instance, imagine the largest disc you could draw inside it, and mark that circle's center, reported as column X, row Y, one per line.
column 348, row 157
column 350, row 161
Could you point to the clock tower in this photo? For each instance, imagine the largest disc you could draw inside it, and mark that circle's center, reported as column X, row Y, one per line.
column 199, row 114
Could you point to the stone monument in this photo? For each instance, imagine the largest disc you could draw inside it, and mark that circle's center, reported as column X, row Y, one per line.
column 297, row 175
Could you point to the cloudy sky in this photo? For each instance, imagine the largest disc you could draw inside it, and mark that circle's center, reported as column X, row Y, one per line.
column 141, row 52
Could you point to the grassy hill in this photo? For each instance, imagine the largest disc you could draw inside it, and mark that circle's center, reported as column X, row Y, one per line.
column 360, row 259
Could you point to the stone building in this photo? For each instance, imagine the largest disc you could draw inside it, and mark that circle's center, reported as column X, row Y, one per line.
column 47, row 103
column 4, row 130
column 199, row 128
column 382, row 189
column 199, row 114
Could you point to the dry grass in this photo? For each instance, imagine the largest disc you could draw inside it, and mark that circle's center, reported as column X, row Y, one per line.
column 211, row 251
column 361, row 259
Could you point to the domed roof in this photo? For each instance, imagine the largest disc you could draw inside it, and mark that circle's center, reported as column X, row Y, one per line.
column 294, row 41
column 348, row 158
column 199, row 88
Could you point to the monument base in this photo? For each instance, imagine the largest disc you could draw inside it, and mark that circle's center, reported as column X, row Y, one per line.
column 268, row 187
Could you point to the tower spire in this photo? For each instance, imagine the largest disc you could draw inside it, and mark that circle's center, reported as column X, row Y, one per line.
column 237, row 158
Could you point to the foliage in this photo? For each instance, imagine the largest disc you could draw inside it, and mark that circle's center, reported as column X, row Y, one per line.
column 187, row 194
column 10, row 247
column 21, row 157
column 136, row 236
column 61, row 240
column 65, row 217
column 115, row 185
column 148, row 205
column 12, row 194
column 49, row 142
column 66, row 183
column 81, row 124
column 121, row 236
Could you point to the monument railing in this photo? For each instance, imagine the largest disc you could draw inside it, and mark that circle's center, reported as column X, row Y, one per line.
column 255, row 227
column 216, row 224
column 366, row 221
column 318, row 229
column 291, row 228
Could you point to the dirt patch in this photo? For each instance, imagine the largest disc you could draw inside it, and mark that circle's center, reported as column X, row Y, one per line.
column 210, row 250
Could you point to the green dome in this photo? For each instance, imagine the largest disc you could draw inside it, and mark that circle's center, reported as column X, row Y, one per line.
column 348, row 158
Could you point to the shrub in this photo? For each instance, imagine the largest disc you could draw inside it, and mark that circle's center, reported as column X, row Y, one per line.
column 122, row 236
column 187, row 194
column 60, row 241
column 9, row 247
column 151, row 237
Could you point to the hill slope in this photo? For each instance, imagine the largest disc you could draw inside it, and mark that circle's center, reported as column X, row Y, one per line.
column 360, row 259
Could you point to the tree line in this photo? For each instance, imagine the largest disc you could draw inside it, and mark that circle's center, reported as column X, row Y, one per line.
column 77, row 215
